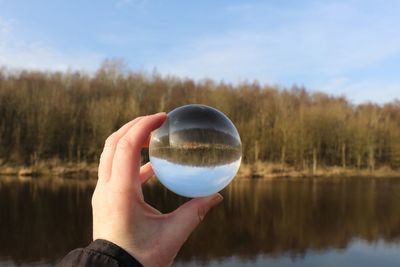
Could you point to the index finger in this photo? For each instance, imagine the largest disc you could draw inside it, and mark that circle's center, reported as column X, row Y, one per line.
column 126, row 161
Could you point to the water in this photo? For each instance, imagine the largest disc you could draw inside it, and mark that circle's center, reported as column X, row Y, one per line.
column 196, row 152
column 303, row 222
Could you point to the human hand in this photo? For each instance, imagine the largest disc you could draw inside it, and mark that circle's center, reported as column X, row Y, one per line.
column 121, row 215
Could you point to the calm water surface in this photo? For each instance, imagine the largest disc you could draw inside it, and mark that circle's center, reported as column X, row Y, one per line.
column 303, row 222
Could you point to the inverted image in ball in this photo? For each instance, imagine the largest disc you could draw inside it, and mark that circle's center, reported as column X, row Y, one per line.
column 196, row 152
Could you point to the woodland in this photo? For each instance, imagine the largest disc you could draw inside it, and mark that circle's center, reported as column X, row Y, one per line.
column 68, row 115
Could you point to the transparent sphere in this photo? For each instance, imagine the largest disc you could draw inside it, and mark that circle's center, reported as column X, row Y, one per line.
column 196, row 152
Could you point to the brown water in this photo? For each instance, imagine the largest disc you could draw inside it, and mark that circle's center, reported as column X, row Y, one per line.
column 306, row 222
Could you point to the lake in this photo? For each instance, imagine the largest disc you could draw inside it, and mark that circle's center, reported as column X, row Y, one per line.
column 282, row 222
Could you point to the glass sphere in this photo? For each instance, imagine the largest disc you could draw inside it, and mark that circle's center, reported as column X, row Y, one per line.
column 196, row 152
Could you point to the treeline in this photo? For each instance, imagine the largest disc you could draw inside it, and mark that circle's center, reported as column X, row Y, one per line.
column 68, row 115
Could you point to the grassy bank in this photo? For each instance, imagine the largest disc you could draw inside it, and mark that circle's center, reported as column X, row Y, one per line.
column 52, row 168
column 265, row 170
column 259, row 170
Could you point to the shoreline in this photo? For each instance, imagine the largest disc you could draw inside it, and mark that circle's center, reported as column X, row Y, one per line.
column 79, row 171
column 259, row 170
column 268, row 170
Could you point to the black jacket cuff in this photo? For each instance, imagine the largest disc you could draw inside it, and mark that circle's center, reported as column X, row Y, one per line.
column 100, row 253
column 112, row 250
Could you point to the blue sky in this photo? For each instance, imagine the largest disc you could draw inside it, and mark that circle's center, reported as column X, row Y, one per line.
column 194, row 181
column 339, row 47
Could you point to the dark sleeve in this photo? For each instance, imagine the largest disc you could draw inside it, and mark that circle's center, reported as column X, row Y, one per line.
column 100, row 253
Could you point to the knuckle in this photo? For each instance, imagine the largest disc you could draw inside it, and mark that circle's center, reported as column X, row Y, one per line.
column 124, row 144
column 111, row 140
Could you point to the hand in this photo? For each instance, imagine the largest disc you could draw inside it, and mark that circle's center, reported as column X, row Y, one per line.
column 121, row 215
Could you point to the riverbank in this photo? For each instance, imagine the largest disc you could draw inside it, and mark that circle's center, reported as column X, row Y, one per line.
column 260, row 170
column 53, row 169
column 267, row 170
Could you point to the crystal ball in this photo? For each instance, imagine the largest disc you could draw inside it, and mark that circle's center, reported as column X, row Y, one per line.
column 196, row 152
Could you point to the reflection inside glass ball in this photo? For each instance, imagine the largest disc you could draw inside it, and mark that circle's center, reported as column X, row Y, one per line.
column 196, row 152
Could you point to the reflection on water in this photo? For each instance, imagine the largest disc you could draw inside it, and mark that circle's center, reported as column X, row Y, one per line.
column 357, row 254
column 304, row 222
column 42, row 219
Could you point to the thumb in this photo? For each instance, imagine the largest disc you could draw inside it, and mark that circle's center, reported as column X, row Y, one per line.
column 185, row 218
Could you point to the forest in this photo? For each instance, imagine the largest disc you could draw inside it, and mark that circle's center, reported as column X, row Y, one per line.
column 68, row 115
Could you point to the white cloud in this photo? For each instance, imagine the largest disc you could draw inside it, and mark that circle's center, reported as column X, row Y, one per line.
column 321, row 40
column 15, row 52
column 5, row 27
column 231, row 56
column 335, row 84
column 377, row 91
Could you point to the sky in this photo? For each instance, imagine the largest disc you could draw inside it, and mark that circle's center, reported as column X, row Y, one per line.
column 194, row 181
column 349, row 48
